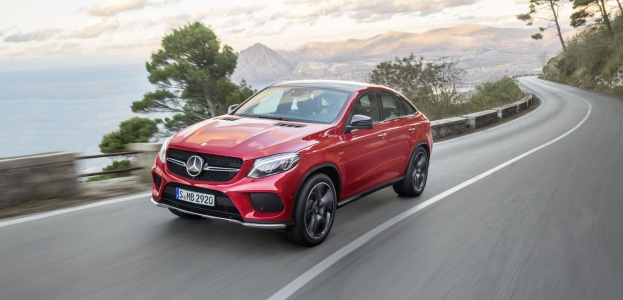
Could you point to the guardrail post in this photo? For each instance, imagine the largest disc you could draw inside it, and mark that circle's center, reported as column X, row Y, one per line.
column 145, row 158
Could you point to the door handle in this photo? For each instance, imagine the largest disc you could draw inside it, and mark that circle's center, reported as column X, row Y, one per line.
column 411, row 129
column 382, row 135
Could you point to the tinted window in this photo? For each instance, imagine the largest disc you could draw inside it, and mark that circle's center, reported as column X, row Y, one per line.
column 366, row 105
column 391, row 108
column 409, row 109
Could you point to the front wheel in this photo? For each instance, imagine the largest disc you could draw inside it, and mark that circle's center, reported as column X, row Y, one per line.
column 415, row 178
column 314, row 211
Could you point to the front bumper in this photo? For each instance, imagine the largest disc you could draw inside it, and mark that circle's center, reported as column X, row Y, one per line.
column 246, row 224
column 260, row 203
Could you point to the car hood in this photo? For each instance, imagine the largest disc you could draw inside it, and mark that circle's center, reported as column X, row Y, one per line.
column 248, row 138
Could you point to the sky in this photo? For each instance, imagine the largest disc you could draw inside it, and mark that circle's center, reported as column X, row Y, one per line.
column 38, row 34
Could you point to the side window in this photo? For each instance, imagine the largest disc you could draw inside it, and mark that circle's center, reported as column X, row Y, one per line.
column 391, row 108
column 366, row 105
column 409, row 109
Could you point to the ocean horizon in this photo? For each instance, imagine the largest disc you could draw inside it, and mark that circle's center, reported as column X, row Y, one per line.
column 68, row 109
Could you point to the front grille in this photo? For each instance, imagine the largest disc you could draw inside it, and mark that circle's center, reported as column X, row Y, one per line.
column 266, row 202
column 211, row 159
column 223, row 206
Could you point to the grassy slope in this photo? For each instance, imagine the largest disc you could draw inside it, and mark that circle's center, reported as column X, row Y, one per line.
column 591, row 61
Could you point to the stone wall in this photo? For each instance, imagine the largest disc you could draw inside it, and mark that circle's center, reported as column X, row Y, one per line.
column 482, row 118
column 455, row 126
column 145, row 158
column 449, row 127
column 37, row 177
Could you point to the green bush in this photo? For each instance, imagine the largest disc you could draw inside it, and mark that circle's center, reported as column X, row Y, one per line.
column 116, row 165
column 488, row 95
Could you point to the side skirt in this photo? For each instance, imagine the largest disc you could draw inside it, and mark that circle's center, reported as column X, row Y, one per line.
column 368, row 192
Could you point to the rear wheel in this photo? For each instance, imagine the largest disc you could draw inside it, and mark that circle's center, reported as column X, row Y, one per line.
column 314, row 211
column 184, row 215
column 415, row 178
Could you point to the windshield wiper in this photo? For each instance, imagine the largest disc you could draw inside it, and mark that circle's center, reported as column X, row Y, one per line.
column 271, row 117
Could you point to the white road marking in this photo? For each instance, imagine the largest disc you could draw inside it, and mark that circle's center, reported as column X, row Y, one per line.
column 316, row 270
column 72, row 209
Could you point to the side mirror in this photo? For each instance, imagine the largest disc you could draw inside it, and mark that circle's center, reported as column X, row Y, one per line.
column 359, row 122
column 232, row 108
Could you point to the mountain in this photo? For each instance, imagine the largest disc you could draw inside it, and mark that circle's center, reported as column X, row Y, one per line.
column 259, row 63
column 486, row 53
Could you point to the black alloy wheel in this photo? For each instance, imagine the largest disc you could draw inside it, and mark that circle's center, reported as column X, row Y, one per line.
column 420, row 171
column 416, row 175
column 314, row 211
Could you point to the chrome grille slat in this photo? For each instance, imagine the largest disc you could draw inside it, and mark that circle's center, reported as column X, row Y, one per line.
column 216, row 168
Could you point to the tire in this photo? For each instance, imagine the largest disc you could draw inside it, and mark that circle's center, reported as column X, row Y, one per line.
column 314, row 211
column 184, row 215
column 417, row 173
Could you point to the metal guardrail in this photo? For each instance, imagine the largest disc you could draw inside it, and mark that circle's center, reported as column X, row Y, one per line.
column 109, row 155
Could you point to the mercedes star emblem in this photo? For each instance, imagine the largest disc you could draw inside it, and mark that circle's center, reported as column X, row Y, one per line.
column 194, row 165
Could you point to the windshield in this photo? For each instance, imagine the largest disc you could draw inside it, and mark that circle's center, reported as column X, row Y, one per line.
column 291, row 103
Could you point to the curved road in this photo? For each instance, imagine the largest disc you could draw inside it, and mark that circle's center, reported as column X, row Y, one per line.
column 532, row 209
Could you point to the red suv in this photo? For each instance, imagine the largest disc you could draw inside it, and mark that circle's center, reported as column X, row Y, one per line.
column 290, row 155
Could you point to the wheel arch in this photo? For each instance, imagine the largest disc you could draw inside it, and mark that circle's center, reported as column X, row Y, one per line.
column 411, row 157
column 426, row 147
column 328, row 169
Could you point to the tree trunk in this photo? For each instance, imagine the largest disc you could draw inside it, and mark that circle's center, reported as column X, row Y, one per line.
column 620, row 7
column 604, row 14
column 211, row 108
column 555, row 12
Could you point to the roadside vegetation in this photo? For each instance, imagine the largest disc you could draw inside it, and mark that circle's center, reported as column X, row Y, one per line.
column 435, row 87
column 191, row 75
column 545, row 13
column 593, row 59
column 135, row 130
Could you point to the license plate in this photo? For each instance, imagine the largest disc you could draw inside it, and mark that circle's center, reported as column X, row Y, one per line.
column 194, row 197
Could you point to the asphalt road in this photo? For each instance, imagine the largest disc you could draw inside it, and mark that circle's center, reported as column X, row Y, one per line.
column 549, row 225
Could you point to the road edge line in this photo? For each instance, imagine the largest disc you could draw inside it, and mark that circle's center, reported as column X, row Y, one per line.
column 71, row 209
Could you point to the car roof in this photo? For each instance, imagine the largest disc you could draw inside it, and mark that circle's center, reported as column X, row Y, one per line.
column 349, row 86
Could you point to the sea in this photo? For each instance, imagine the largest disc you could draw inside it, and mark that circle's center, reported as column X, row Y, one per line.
column 68, row 109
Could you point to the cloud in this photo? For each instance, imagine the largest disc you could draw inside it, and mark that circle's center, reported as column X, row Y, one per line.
column 149, row 43
column 35, row 35
column 96, row 29
column 367, row 17
column 174, row 21
column 240, row 10
column 367, row 11
column 112, row 7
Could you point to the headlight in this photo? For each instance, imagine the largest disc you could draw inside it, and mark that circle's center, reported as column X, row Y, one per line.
column 162, row 154
column 274, row 164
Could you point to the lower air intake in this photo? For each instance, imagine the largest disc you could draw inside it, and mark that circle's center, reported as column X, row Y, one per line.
column 266, row 202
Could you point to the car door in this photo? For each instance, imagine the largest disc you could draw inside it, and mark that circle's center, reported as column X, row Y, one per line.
column 398, row 128
column 362, row 152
